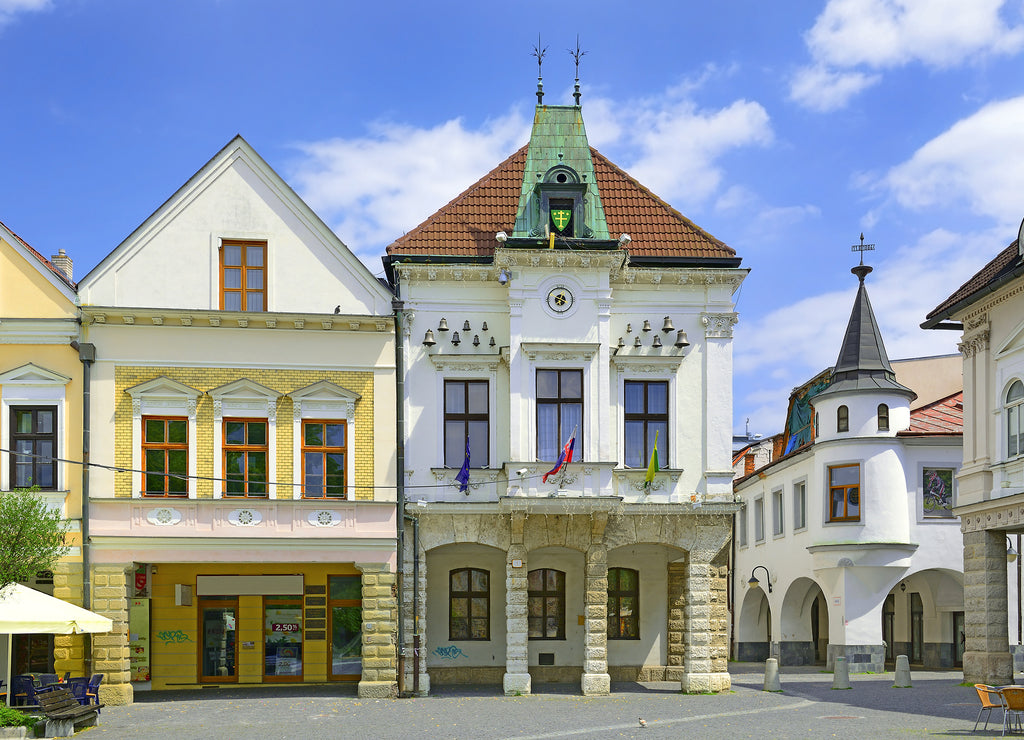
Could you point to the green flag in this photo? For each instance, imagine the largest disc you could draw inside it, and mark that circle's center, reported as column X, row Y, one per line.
column 652, row 466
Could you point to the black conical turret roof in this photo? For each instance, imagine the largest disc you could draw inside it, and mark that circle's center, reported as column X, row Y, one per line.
column 863, row 365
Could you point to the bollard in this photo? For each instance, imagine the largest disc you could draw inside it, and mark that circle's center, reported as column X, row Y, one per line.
column 902, row 673
column 841, row 674
column 771, row 675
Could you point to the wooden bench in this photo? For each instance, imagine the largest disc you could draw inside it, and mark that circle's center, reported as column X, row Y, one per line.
column 63, row 712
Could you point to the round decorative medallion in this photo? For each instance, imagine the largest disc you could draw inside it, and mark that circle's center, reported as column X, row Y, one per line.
column 324, row 518
column 560, row 299
column 164, row 516
column 245, row 517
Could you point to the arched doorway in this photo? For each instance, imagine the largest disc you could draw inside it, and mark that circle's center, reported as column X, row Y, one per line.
column 803, row 637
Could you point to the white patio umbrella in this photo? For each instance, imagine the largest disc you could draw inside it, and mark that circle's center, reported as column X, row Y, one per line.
column 25, row 611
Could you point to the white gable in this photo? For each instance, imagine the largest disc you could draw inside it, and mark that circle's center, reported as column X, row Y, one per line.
column 173, row 259
column 31, row 374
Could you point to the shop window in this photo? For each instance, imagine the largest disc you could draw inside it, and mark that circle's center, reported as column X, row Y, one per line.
column 346, row 612
column 466, row 419
column 245, row 458
column 323, row 459
column 623, row 604
column 844, row 493
column 469, row 599
column 559, row 412
column 165, row 456
column 243, row 275
column 1014, row 428
column 218, row 620
column 34, row 447
column 282, row 638
column 545, row 604
column 646, row 418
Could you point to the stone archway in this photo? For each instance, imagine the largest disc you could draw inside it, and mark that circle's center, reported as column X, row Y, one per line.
column 803, row 624
column 754, row 627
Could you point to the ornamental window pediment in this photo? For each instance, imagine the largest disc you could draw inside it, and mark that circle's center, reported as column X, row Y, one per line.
column 32, row 374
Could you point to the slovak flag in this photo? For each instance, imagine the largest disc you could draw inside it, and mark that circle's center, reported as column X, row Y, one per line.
column 564, row 459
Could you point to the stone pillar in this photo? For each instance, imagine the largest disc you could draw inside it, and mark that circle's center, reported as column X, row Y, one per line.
column 380, row 627
column 676, row 620
column 68, row 650
column 987, row 656
column 596, row 681
column 414, row 611
column 517, row 680
column 110, row 654
column 719, row 625
column 699, row 675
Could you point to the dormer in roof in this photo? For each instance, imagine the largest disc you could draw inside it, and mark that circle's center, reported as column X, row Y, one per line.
column 559, row 195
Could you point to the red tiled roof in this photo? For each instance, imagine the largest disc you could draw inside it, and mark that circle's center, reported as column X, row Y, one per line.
column 46, row 263
column 466, row 226
column 945, row 416
column 984, row 277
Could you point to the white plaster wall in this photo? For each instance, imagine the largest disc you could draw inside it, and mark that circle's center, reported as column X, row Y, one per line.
column 471, row 652
column 652, row 563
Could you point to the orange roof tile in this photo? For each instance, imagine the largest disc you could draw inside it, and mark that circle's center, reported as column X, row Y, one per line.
column 466, row 226
column 998, row 269
column 945, row 416
column 45, row 262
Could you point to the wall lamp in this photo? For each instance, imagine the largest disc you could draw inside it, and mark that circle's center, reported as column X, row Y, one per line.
column 1011, row 554
column 504, row 276
column 753, row 579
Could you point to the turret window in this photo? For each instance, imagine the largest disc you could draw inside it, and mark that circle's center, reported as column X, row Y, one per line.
column 842, row 419
column 844, row 493
column 883, row 418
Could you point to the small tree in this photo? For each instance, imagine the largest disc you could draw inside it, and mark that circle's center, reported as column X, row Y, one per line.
column 31, row 536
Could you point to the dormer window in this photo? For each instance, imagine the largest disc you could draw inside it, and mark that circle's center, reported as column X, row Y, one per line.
column 561, row 195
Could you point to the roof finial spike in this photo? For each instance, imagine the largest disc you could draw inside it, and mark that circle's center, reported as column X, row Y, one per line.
column 576, row 55
column 861, row 270
column 538, row 51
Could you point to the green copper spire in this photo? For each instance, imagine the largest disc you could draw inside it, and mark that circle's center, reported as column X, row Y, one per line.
column 559, row 191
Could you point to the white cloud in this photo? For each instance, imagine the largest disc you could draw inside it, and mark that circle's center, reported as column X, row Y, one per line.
column 978, row 161
column 374, row 188
column 852, row 35
column 10, row 9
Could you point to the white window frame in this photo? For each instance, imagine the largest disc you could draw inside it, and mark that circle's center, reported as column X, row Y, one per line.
column 741, row 527
column 467, row 367
column 163, row 396
column 557, row 356
column 331, row 402
column 800, row 505
column 759, row 519
column 244, row 399
column 1016, row 408
column 778, row 513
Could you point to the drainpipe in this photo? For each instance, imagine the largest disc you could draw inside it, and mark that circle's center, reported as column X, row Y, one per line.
column 87, row 355
column 397, row 306
column 416, row 605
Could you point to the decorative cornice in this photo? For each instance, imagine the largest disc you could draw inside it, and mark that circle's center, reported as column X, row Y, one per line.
column 573, row 352
column 975, row 344
column 648, row 362
column 466, row 362
column 166, row 317
column 718, row 325
column 1002, row 513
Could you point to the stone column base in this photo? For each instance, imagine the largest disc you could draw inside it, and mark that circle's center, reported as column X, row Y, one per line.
column 994, row 669
column 116, row 694
column 516, row 684
column 377, row 689
column 596, row 684
column 705, row 683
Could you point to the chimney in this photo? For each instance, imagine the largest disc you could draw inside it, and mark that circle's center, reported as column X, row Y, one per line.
column 63, row 263
column 748, row 463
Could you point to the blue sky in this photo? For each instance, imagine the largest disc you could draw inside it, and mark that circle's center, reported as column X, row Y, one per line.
column 784, row 129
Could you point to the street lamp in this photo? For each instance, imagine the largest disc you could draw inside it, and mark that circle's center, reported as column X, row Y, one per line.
column 753, row 579
column 1011, row 554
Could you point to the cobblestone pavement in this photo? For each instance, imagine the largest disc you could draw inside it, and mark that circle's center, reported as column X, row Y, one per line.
column 808, row 707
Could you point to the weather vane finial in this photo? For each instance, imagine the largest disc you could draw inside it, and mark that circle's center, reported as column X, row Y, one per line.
column 576, row 55
column 861, row 270
column 539, row 51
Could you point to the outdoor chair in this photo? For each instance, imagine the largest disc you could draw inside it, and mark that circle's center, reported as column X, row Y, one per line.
column 92, row 690
column 78, row 687
column 45, row 679
column 67, row 676
column 1013, row 707
column 23, row 693
column 991, row 698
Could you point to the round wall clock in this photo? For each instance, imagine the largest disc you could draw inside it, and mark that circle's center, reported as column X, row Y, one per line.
column 560, row 299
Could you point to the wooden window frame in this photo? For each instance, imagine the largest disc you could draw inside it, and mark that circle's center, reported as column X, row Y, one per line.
column 37, row 463
column 615, row 595
column 286, row 600
column 544, row 594
column 478, row 459
column 166, row 447
column 883, row 417
column 845, row 489
column 333, row 602
column 243, row 290
column 843, row 419
column 324, row 450
column 559, row 401
column 468, row 596
column 247, row 449
column 646, row 417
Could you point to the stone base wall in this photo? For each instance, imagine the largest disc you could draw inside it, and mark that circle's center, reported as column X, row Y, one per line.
column 643, row 673
column 796, row 653
column 938, row 655
column 488, row 674
column 752, row 652
column 556, row 673
column 859, row 658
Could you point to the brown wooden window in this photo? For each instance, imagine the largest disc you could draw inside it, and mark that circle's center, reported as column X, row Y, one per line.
column 165, row 456
column 243, row 275
column 559, row 412
column 34, row 447
column 646, row 417
column 245, row 458
column 842, row 419
column 545, row 604
column 469, row 612
column 466, row 419
column 844, row 493
column 883, row 418
column 323, row 459
column 623, row 604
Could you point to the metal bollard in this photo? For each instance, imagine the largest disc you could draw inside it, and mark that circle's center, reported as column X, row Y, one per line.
column 841, row 674
column 902, row 673
column 771, row 675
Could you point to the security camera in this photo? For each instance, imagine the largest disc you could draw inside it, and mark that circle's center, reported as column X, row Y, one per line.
column 522, row 471
column 624, row 240
column 501, row 236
